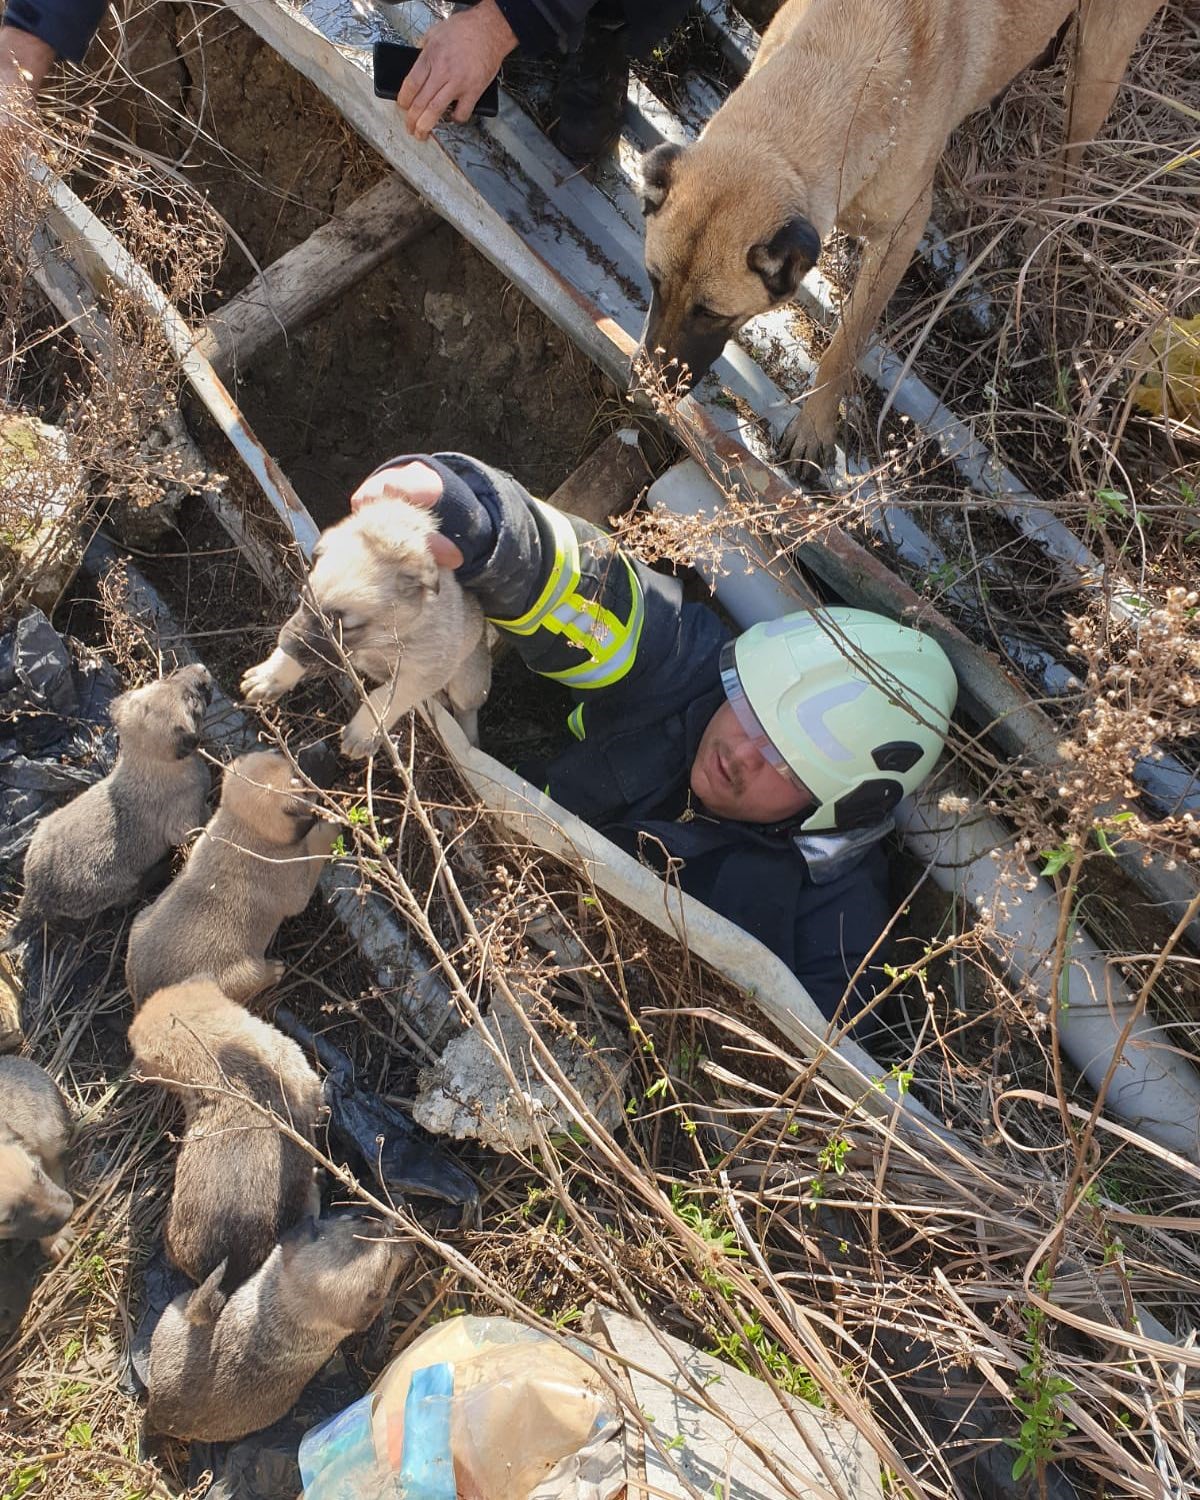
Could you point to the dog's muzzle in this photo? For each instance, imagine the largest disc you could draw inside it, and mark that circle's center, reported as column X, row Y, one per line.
column 676, row 364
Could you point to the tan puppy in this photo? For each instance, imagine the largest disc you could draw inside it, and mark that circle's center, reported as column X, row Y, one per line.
column 35, row 1127
column 98, row 850
column 222, row 1368
column 239, row 1183
column 839, row 125
column 404, row 623
column 257, row 862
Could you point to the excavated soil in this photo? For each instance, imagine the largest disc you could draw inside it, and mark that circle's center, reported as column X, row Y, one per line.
column 434, row 350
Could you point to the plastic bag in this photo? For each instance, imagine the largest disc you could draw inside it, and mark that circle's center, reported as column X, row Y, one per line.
column 1172, row 385
column 476, row 1409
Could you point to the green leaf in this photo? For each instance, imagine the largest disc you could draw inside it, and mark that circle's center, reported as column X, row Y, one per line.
column 1056, row 859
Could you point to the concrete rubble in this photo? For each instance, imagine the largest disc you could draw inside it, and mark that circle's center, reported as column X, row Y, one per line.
column 467, row 1094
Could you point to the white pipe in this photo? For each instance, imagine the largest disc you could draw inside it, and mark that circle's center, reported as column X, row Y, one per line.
column 1154, row 1088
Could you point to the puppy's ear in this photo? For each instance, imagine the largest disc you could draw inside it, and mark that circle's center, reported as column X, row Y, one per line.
column 121, row 711
column 658, row 168
column 786, row 258
column 186, row 740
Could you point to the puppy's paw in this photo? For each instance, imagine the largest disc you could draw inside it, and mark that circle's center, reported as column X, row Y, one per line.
column 810, row 439
column 261, row 685
column 276, row 972
column 58, row 1246
column 360, row 738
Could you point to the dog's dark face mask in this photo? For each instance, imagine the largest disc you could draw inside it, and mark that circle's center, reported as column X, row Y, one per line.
column 708, row 275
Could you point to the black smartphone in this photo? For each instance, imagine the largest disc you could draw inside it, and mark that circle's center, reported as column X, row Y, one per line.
column 391, row 64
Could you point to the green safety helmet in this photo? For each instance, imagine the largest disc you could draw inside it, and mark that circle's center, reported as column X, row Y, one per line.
column 847, row 703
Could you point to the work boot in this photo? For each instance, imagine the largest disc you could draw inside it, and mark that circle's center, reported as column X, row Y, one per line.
column 592, row 85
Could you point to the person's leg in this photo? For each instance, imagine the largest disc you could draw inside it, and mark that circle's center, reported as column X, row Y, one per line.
column 594, row 77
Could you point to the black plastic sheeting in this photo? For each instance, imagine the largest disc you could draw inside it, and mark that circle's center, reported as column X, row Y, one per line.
column 401, row 1156
column 55, row 735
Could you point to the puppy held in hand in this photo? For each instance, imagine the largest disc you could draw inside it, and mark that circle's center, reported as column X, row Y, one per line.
column 220, row 1368
column 402, row 621
column 239, row 1183
column 257, row 862
column 35, row 1127
column 99, row 850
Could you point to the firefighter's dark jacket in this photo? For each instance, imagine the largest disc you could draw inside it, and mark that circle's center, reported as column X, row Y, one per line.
column 642, row 667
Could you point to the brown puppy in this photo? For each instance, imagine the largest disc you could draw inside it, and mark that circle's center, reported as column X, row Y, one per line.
column 404, row 623
column 239, row 1184
column 35, row 1127
column 98, row 850
column 839, row 125
column 222, row 1368
column 257, row 861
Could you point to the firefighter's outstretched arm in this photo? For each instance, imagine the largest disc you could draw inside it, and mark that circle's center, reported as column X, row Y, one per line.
column 573, row 603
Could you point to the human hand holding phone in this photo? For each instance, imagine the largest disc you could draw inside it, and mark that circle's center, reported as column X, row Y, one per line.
column 458, row 61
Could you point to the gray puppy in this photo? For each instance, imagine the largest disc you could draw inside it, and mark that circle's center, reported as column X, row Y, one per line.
column 239, row 1183
column 403, row 622
column 98, row 850
column 222, row 1367
column 35, row 1126
column 257, row 862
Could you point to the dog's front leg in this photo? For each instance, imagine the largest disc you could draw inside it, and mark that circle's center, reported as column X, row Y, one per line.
column 1106, row 33
column 272, row 678
column 812, row 433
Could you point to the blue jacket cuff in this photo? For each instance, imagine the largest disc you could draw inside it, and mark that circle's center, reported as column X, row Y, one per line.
column 534, row 33
column 66, row 25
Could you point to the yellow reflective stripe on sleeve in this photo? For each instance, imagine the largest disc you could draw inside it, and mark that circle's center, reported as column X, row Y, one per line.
column 562, row 580
column 575, row 722
column 610, row 661
column 610, row 643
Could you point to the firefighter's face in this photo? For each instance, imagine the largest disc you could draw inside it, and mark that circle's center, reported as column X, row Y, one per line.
column 731, row 778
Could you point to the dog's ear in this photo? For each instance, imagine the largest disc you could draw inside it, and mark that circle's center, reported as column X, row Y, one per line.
column 658, row 168
column 786, row 258
column 120, row 711
column 186, row 740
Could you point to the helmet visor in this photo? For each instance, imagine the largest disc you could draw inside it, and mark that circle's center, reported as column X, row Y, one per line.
column 751, row 725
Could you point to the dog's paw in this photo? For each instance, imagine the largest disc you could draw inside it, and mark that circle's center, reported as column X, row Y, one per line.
column 810, row 439
column 276, row 972
column 261, row 685
column 360, row 738
column 58, row 1246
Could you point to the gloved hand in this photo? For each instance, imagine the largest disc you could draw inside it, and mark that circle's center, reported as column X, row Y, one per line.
column 419, row 485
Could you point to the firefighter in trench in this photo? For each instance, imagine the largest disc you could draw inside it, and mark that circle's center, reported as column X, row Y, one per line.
column 762, row 771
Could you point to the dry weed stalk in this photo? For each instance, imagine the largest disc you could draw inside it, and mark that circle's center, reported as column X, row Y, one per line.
column 104, row 377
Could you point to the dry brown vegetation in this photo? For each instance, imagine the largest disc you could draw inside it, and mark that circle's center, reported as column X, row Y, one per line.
column 1025, row 1274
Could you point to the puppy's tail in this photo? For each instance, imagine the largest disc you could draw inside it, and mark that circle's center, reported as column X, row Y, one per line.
column 25, row 924
column 205, row 1304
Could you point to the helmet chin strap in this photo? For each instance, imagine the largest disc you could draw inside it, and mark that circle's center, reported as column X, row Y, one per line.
column 829, row 854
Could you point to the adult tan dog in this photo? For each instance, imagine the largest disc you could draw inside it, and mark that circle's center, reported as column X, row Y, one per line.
column 402, row 621
column 839, row 125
